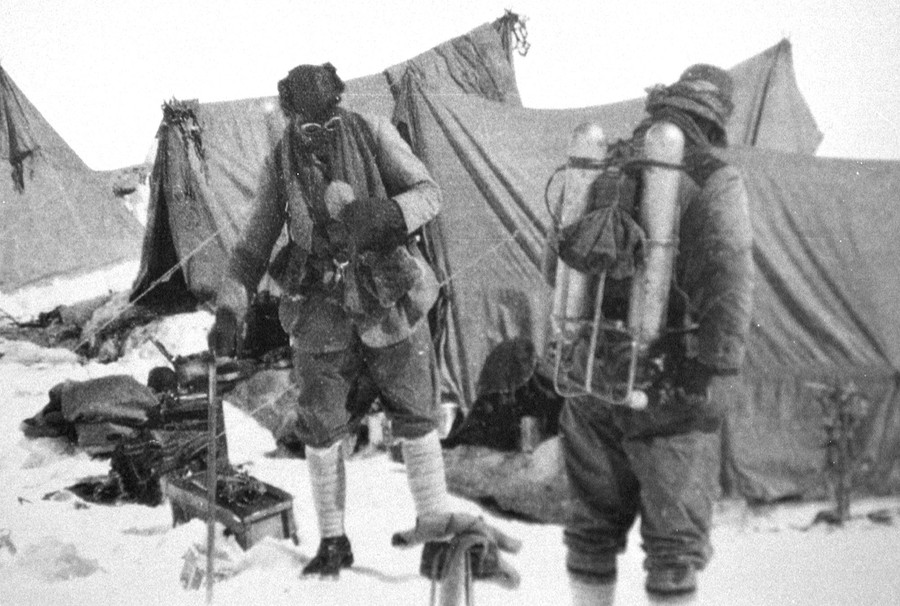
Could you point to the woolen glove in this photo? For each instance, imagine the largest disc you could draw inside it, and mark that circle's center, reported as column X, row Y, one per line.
column 226, row 336
column 374, row 224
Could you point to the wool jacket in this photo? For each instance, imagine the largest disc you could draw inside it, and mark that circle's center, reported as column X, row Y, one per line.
column 714, row 267
column 326, row 302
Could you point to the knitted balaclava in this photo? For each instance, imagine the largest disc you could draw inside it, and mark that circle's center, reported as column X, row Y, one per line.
column 311, row 91
column 309, row 97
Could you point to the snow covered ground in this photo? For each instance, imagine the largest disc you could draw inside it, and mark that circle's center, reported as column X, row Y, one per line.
column 26, row 303
column 63, row 551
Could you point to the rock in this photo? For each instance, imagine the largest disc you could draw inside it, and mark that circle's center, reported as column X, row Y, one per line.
column 532, row 485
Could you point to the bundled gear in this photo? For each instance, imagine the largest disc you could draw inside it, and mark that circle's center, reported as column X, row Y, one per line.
column 459, row 547
column 604, row 237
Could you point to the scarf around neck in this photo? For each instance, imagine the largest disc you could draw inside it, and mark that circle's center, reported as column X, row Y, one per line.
column 349, row 157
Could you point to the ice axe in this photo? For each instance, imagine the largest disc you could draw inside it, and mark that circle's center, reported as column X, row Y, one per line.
column 209, row 359
column 460, row 548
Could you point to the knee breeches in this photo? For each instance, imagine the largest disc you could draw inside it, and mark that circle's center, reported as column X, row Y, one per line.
column 337, row 388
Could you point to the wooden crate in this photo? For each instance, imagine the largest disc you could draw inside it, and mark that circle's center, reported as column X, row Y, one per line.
column 269, row 515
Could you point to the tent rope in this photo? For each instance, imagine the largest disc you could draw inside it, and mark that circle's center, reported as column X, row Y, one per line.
column 181, row 263
column 480, row 258
column 163, row 278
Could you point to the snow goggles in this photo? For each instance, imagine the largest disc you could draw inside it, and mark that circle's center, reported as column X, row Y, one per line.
column 312, row 129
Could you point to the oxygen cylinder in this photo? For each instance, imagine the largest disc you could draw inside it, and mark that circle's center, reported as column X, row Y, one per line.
column 659, row 214
column 572, row 300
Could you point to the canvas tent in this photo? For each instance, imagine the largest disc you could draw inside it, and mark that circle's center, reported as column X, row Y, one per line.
column 57, row 216
column 826, row 306
column 819, row 226
column 209, row 154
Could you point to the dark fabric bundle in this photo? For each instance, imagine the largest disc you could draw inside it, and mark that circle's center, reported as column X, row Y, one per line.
column 115, row 398
column 607, row 238
column 604, row 240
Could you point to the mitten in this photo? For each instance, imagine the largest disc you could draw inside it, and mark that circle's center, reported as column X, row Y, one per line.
column 374, row 224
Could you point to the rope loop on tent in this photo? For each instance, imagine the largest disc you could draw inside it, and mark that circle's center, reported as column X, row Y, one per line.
column 183, row 116
column 513, row 27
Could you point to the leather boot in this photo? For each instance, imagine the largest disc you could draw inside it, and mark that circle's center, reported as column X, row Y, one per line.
column 334, row 553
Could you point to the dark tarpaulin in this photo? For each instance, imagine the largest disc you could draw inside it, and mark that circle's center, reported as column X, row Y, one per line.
column 57, row 216
column 825, row 298
column 202, row 187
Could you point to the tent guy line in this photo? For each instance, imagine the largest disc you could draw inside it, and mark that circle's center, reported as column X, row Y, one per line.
column 163, row 278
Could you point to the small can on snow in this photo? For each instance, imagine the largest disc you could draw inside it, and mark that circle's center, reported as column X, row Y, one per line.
column 529, row 434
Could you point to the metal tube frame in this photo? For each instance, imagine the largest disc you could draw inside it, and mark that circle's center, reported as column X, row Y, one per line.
column 565, row 326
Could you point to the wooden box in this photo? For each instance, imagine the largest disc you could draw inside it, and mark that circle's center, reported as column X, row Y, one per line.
column 269, row 514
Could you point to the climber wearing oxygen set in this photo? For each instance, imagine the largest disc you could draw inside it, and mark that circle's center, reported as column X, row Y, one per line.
column 677, row 282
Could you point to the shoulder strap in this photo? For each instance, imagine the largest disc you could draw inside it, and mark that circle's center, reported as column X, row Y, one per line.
column 700, row 164
column 284, row 161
